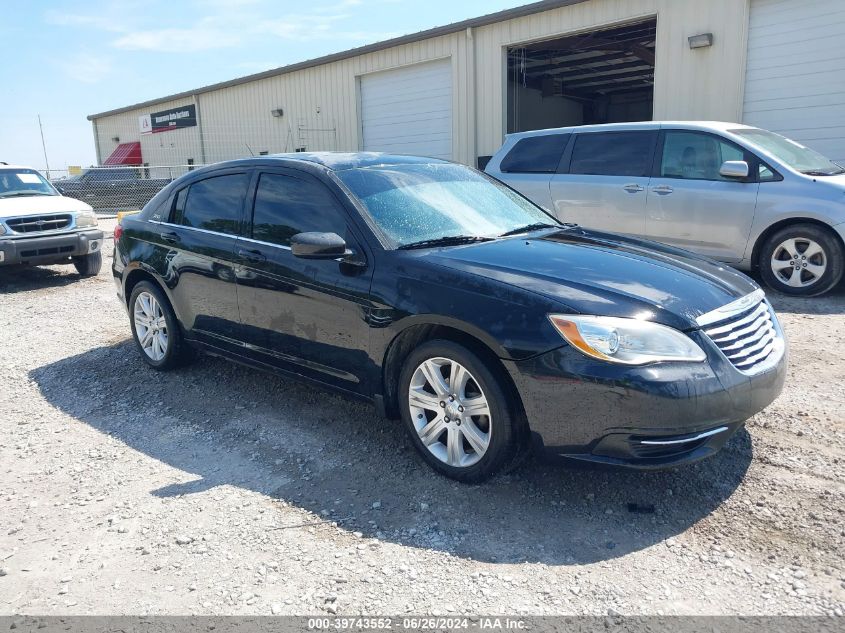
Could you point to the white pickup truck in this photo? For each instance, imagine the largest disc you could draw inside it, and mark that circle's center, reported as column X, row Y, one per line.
column 38, row 225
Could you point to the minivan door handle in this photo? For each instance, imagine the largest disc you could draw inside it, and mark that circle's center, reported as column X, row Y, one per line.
column 255, row 257
column 662, row 190
column 633, row 188
column 170, row 238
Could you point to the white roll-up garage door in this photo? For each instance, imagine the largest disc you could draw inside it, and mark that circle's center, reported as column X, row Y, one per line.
column 409, row 110
column 795, row 77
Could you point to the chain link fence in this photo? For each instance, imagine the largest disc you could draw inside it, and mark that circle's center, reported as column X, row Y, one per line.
column 112, row 189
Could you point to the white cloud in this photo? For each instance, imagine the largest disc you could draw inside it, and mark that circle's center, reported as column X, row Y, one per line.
column 198, row 38
column 86, row 68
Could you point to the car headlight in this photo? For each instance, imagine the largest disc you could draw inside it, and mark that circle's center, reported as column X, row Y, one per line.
column 86, row 218
column 626, row 341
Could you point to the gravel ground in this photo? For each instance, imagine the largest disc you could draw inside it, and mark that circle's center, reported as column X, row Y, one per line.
column 217, row 489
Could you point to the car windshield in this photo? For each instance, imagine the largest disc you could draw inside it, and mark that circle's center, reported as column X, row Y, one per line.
column 791, row 153
column 419, row 203
column 24, row 182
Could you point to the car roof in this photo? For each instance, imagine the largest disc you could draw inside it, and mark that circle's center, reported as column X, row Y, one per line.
column 8, row 166
column 334, row 161
column 718, row 126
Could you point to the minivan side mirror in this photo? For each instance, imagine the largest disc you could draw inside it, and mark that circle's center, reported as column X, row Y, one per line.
column 734, row 169
column 312, row 245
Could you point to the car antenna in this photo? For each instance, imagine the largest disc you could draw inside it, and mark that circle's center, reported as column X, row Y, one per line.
column 251, row 153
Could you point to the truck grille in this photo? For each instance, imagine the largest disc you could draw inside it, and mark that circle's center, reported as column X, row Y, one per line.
column 748, row 338
column 39, row 223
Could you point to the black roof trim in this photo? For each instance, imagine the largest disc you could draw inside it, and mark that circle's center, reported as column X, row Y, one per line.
column 455, row 27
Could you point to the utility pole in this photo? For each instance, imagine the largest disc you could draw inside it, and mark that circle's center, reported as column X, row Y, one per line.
column 44, row 147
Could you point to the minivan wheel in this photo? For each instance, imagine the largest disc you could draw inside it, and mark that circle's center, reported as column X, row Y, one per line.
column 155, row 328
column 802, row 260
column 455, row 409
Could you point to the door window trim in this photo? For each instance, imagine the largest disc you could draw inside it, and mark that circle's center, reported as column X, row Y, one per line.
column 565, row 166
column 753, row 164
column 250, row 171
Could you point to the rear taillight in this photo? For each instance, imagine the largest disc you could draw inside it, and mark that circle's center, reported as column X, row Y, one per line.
column 118, row 231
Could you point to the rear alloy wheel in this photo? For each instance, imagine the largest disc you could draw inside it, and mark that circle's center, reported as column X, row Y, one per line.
column 154, row 327
column 803, row 260
column 456, row 411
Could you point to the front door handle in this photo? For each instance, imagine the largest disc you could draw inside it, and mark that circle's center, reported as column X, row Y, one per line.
column 255, row 257
column 633, row 188
column 170, row 238
column 662, row 190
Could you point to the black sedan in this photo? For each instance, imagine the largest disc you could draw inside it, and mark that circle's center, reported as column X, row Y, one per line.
column 455, row 305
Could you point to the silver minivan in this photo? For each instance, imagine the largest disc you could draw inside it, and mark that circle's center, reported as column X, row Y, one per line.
column 742, row 195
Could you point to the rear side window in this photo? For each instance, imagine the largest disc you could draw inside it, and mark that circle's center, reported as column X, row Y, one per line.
column 285, row 206
column 213, row 204
column 613, row 153
column 535, row 154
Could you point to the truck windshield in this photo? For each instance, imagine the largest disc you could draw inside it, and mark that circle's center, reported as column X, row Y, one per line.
column 24, row 182
column 792, row 153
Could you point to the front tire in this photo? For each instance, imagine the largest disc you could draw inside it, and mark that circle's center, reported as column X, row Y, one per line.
column 88, row 265
column 802, row 260
column 455, row 408
column 155, row 328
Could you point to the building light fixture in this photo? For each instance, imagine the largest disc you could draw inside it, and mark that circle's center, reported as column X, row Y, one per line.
column 702, row 40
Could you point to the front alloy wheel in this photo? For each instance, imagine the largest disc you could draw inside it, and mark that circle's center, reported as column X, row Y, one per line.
column 463, row 415
column 450, row 412
column 802, row 260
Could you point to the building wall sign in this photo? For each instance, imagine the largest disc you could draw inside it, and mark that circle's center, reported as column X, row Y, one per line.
column 173, row 119
column 145, row 124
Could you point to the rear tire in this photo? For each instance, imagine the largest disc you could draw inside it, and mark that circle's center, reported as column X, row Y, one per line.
column 155, row 329
column 88, row 265
column 803, row 260
column 466, row 430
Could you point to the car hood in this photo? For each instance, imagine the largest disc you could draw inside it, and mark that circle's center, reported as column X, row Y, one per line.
column 39, row 205
column 605, row 274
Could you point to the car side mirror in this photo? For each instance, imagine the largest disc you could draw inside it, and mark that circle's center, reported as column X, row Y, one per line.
column 734, row 169
column 314, row 245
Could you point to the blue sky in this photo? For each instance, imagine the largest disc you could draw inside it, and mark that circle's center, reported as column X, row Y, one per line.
column 65, row 60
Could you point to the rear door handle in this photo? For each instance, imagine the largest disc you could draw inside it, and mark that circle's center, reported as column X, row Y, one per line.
column 662, row 190
column 171, row 238
column 255, row 257
column 633, row 188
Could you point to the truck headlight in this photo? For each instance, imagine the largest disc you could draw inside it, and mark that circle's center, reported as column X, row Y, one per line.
column 626, row 341
column 86, row 218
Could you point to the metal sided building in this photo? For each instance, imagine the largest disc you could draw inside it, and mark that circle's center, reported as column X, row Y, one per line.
column 455, row 91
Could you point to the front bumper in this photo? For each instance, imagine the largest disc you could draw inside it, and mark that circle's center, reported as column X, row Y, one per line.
column 49, row 249
column 655, row 416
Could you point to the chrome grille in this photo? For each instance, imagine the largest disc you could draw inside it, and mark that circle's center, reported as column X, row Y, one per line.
column 38, row 223
column 748, row 335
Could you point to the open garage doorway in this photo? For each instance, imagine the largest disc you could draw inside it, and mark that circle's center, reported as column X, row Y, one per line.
column 602, row 76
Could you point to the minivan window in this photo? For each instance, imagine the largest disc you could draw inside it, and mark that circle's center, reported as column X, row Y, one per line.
column 213, row 204
column 285, row 206
column 613, row 153
column 535, row 154
column 791, row 153
column 696, row 156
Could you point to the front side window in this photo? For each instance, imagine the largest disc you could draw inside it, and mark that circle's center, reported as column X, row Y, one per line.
column 213, row 204
column 535, row 154
column 696, row 156
column 413, row 203
column 16, row 183
column 285, row 206
column 791, row 153
column 613, row 153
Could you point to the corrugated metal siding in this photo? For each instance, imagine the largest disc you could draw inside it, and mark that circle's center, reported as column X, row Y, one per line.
column 795, row 82
column 321, row 103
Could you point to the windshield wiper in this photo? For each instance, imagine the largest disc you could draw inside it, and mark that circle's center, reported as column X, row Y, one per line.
column 530, row 227
column 818, row 172
column 448, row 240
